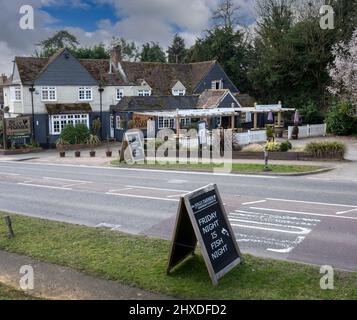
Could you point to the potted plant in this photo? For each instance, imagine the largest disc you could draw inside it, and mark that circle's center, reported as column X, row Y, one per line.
column 77, row 153
column 109, row 152
column 61, row 143
column 93, row 141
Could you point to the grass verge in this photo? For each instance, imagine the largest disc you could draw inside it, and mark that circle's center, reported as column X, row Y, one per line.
column 236, row 168
column 141, row 262
column 7, row 293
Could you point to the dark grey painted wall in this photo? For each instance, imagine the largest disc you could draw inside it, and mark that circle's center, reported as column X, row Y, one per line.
column 216, row 73
column 66, row 72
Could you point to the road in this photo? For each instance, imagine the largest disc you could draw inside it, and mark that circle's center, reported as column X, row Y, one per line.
column 306, row 219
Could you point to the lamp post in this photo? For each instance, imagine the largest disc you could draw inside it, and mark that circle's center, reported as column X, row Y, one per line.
column 32, row 90
column 101, row 90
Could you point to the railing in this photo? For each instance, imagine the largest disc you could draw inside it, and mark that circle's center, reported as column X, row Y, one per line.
column 315, row 130
column 250, row 137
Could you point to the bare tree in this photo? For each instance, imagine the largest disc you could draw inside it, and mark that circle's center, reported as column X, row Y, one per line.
column 226, row 15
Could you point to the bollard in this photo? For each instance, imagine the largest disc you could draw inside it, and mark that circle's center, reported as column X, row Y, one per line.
column 8, row 222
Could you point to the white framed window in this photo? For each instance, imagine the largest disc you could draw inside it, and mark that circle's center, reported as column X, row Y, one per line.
column 16, row 94
column 119, row 94
column 144, row 93
column 185, row 122
column 59, row 122
column 85, row 94
column 176, row 92
column 217, row 84
column 48, row 94
column 166, row 123
column 118, row 123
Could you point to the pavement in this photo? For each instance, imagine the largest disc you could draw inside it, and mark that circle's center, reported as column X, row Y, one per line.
column 60, row 283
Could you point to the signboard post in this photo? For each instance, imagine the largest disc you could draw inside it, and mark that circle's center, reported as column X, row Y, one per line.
column 202, row 218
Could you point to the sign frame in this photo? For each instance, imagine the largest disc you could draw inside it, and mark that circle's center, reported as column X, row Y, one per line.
column 185, row 204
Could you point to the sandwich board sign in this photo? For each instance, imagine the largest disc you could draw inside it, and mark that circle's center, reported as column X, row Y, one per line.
column 134, row 146
column 202, row 218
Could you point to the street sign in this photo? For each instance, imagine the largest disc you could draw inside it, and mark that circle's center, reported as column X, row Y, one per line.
column 20, row 126
column 202, row 217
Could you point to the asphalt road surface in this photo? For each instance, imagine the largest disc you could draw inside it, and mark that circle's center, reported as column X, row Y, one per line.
column 305, row 219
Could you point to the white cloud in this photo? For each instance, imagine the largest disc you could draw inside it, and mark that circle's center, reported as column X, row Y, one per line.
column 140, row 21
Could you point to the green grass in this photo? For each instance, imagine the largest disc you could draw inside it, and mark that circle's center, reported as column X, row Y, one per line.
column 7, row 293
column 141, row 262
column 236, row 168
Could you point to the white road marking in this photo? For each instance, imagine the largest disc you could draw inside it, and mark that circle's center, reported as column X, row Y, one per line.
column 319, row 179
column 303, row 231
column 118, row 190
column 176, row 181
column 305, row 213
column 8, row 174
column 159, row 189
column 254, row 202
column 348, row 211
column 310, row 202
column 66, row 180
column 289, row 249
column 112, row 227
column 181, row 172
column 40, row 186
column 140, row 197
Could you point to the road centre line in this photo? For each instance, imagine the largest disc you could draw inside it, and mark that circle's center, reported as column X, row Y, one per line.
column 159, row 189
column 8, row 174
column 66, row 180
column 40, row 186
column 140, row 197
column 254, row 202
column 304, row 213
column 311, row 202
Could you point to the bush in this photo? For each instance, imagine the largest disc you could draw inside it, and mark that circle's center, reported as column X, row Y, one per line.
column 340, row 120
column 334, row 149
column 78, row 134
column 270, row 132
column 272, row 146
column 310, row 114
column 285, row 146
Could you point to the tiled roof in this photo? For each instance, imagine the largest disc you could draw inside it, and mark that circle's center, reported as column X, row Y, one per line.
column 211, row 98
column 159, row 76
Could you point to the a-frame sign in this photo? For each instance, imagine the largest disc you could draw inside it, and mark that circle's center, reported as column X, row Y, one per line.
column 202, row 218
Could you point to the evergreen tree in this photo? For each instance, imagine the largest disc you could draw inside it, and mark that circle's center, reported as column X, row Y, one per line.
column 177, row 51
column 152, row 52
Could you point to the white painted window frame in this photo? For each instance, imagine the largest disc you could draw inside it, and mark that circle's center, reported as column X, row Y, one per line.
column 118, row 123
column 86, row 91
column 49, row 90
column 166, row 123
column 59, row 121
column 16, row 94
column 214, row 84
column 119, row 94
column 144, row 92
column 178, row 92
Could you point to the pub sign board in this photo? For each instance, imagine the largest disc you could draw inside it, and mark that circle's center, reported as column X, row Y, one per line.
column 133, row 147
column 202, row 218
column 20, row 126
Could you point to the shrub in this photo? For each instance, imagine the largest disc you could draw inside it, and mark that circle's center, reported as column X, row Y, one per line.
column 78, row 134
column 270, row 132
column 96, row 126
column 272, row 146
column 310, row 114
column 285, row 146
column 340, row 120
column 333, row 149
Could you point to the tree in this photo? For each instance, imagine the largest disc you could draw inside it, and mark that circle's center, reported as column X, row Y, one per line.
column 177, row 51
column 343, row 71
column 225, row 15
column 62, row 39
column 152, row 52
column 97, row 52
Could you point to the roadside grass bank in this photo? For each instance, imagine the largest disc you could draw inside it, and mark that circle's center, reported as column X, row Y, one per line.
column 7, row 293
column 236, row 167
column 141, row 262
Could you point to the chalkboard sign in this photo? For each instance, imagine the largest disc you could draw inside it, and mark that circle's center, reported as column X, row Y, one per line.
column 202, row 217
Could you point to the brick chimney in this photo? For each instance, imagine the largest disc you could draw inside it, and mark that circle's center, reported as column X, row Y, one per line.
column 115, row 58
column 3, row 79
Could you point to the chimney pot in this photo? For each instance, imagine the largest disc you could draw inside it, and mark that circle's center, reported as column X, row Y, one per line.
column 115, row 57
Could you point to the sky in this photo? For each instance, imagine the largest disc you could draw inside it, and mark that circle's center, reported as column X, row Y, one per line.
column 94, row 21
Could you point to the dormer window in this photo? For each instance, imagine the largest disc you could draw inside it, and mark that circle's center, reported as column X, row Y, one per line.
column 176, row 92
column 217, row 85
column 144, row 93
